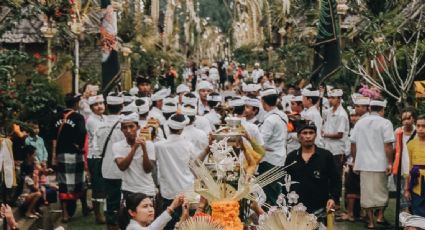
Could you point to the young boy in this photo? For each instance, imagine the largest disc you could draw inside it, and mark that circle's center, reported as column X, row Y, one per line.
column 38, row 143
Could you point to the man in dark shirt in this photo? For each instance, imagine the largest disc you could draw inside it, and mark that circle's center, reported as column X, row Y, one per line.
column 319, row 184
column 68, row 156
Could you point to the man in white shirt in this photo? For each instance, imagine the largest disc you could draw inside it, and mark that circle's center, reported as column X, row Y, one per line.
column 294, row 118
column 135, row 156
column 214, row 75
column 252, row 109
column 201, row 122
column 204, row 88
column 197, row 137
column 274, row 132
column 372, row 140
column 310, row 100
column 335, row 129
column 88, row 91
column 361, row 105
column 214, row 100
column 173, row 156
column 94, row 121
column 157, row 103
column 107, row 134
column 257, row 73
column 181, row 90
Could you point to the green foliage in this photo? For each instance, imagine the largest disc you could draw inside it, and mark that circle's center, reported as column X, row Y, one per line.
column 297, row 59
column 24, row 93
column 126, row 27
column 217, row 12
column 248, row 56
column 148, row 62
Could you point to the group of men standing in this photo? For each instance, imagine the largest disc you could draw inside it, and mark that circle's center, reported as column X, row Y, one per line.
column 143, row 142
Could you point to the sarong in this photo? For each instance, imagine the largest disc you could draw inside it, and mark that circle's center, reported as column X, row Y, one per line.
column 373, row 189
column 70, row 175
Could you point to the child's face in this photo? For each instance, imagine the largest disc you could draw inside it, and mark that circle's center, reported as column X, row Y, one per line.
column 35, row 130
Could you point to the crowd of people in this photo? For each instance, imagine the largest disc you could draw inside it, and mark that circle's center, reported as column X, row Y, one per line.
column 136, row 146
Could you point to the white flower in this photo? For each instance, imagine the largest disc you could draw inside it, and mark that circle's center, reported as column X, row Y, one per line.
column 293, row 197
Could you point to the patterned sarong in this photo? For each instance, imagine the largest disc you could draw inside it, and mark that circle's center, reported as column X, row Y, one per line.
column 70, row 175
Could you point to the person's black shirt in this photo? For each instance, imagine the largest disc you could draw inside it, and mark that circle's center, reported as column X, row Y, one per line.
column 318, row 178
column 72, row 136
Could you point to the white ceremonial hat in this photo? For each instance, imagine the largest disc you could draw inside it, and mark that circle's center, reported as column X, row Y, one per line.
column 133, row 91
column 257, row 64
column 142, row 104
column 128, row 98
column 335, row 93
column 268, row 92
column 236, row 102
column 296, row 98
column 169, row 105
column 189, row 110
column 359, row 99
column 161, row 94
column 252, row 102
column 132, row 117
column 205, row 85
column 378, row 103
column 176, row 124
column 310, row 93
column 96, row 99
column 190, row 100
column 214, row 98
column 182, row 88
column 130, row 108
column 251, row 87
column 173, row 100
column 114, row 100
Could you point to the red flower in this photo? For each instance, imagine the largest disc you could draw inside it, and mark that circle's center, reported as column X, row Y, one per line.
column 72, row 1
column 37, row 56
column 71, row 11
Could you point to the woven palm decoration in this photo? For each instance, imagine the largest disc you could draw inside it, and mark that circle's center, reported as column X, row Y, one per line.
column 200, row 223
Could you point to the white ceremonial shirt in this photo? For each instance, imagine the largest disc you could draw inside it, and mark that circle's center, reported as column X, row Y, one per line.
column 214, row 75
column 157, row 114
column 336, row 122
column 173, row 156
column 202, row 108
column 274, row 131
column 313, row 114
column 134, row 178
column 256, row 74
column 92, row 124
column 197, row 137
column 213, row 118
column 203, row 124
column 84, row 108
column 110, row 169
column 158, row 224
column 370, row 134
column 253, row 131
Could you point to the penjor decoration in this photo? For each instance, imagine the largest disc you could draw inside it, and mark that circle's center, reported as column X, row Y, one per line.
column 109, row 43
